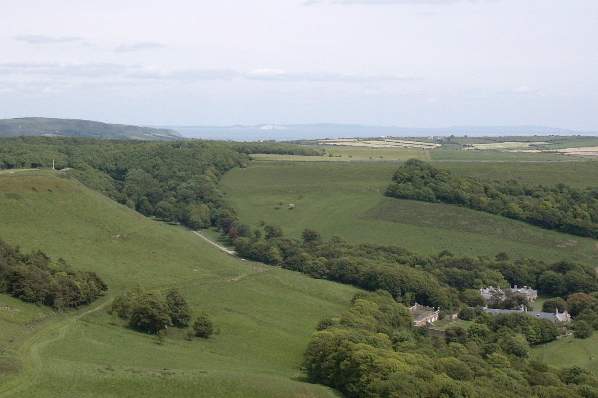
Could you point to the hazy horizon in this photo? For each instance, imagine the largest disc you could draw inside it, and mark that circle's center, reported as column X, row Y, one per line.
column 429, row 63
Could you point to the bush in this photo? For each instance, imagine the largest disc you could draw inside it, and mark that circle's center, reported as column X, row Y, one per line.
column 582, row 330
column 203, row 326
column 149, row 314
column 179, row 311
column 552, row 304
column 514, row 345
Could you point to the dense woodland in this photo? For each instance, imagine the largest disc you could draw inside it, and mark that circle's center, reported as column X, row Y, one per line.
column 35, row 278
column 373, row 351
column 558, row 207
column 444, row 280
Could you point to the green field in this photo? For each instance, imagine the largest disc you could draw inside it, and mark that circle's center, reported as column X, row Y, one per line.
column 348, row 153
column 352, row 153
column 569, row 351
column 346, row 199
column 265, row 315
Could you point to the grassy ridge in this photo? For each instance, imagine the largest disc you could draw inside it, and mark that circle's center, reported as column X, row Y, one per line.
column 345, row 199
column 265, row 315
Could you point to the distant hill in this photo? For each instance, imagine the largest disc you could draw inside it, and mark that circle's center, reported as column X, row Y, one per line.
column 50, row 127
column 289, row 132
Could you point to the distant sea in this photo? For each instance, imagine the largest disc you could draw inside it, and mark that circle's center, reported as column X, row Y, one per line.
column 291, row 132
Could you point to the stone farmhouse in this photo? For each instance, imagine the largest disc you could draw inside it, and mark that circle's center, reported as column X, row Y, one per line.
column 423, row 316
column 499, row 295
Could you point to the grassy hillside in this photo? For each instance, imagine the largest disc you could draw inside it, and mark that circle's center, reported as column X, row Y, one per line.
column 40, row 126
column 345, row 199
column 265, row 314
column 568, row 352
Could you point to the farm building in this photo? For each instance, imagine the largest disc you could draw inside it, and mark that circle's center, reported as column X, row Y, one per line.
column 423, row 316
column 556, row 317
column 496, row 294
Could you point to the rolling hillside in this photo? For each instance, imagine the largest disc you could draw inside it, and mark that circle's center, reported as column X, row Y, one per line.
column 346, row 199
column 265, row 315
column 50, row 127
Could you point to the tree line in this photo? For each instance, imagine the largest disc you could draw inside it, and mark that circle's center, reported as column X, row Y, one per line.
column 558, row 207
column 35, row 278
column 442, row 280
column 372, row 350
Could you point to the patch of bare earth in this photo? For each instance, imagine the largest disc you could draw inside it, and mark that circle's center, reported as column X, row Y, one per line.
column 581, row 151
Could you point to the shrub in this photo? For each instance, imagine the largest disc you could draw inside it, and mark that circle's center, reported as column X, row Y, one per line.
column 149, row 314
column 582, row 330
column 203, row 326
column 552, row 304
column 179, row 311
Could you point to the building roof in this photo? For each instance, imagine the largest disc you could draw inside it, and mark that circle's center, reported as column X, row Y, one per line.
column 549, row 316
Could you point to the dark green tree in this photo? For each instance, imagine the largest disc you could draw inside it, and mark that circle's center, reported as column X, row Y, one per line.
column 203, row 326
column 178, row 308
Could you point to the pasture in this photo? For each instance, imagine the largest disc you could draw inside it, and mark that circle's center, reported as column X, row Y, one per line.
column 265, row 315
column 569, row 351
column 346, row 199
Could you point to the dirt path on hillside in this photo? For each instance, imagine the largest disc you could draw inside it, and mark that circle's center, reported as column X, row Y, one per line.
column 216, row 244
column 29, row 352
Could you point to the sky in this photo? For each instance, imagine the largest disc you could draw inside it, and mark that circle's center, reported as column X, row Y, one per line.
column 419, row 63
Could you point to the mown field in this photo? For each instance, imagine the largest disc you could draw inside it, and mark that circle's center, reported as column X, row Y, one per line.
column 265, row 315
column 352, row 153
column 346, row 199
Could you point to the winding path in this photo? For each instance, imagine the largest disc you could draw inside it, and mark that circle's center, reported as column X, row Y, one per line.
column 29, row 351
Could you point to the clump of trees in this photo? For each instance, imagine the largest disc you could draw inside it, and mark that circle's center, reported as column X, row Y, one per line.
column 373, row 351
column 535, row 331
column 583, row 307
column 152, row 312
column 559, row 207
column 36, row 278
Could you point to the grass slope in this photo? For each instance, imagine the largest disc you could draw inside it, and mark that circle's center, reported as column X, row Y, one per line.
column 265, row 314
column 569, row 351
column 346, row 199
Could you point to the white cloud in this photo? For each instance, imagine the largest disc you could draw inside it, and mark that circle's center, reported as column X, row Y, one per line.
column 392, row 2
column 45, row 39
column 282, row 75
column 524, row 90
column 132, row 72
column 139, row 46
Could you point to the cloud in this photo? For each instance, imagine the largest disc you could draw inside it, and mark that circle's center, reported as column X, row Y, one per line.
column 182, row 74
column 45, row 39
column 522, row 90
column 392, row 2
column 281, row 75
column 139, row 46
column 58, row 70
column 118, row 72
